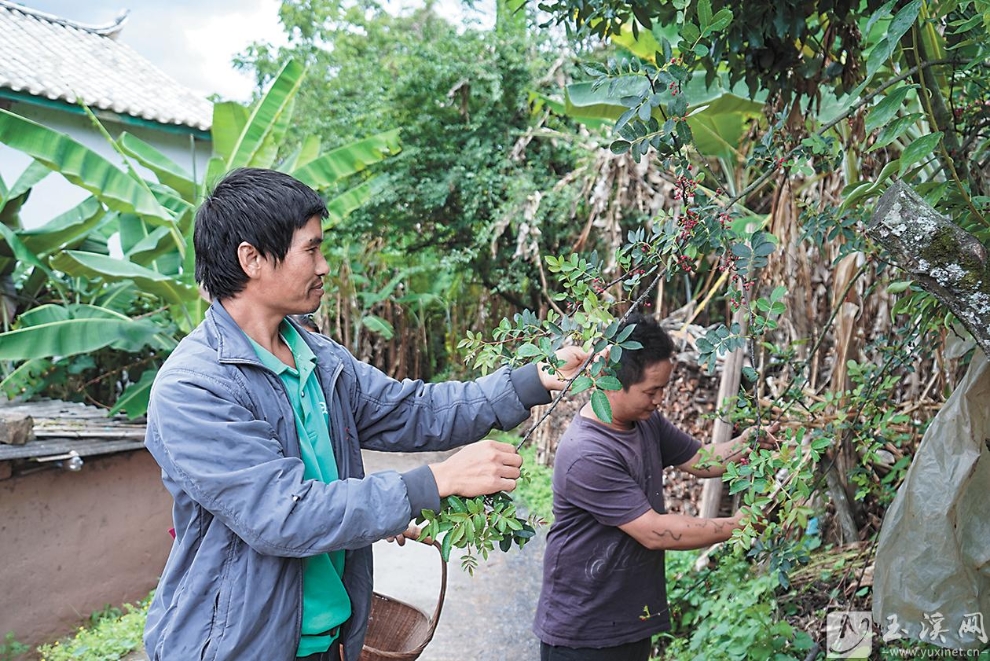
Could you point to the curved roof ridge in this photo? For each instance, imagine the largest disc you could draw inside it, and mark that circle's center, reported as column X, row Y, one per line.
column 111, row 30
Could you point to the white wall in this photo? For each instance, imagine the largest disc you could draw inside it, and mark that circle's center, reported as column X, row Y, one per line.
column 55, row 195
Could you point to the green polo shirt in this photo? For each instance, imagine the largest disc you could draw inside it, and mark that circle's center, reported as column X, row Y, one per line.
column 325, row 602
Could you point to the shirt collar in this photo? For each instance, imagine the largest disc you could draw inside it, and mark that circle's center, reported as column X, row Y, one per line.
column 302, row 353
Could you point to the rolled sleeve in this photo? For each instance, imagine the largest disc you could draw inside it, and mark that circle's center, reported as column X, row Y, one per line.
column 529, row 389
column 422, row 489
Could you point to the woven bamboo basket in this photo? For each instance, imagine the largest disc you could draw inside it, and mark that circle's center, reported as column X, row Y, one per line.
column 398, row 631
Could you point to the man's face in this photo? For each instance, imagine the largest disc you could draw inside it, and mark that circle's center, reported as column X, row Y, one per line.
column 295, row 285
column 640, row 400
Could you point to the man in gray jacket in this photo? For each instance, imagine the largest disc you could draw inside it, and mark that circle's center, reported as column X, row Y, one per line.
column 258, row 426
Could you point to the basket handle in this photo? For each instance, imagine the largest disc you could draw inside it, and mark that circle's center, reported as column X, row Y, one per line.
column 436, row 612
column 443, row 593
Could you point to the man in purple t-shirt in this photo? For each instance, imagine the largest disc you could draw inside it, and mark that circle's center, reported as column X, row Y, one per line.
column 604, row 591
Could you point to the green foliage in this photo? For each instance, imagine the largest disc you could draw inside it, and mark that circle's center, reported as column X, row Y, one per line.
column 871, row 425
column 479, row 525
column 474, row 196
column 727, row 613
column 718, row 342
column 890, row 59
column 765, row 44
column 112, row 634
column 10, row 648
column 476, row 525
column 534, row 490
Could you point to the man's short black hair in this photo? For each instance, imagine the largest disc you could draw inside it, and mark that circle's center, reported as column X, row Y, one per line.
column 263, row 208
column 657, row 347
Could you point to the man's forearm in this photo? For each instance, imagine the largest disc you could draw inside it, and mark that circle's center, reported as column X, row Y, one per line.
column 730, row 451
column 676, row 532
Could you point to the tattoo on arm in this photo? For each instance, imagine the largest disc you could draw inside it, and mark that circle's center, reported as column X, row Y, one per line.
column 668, row 533
column 718, row 527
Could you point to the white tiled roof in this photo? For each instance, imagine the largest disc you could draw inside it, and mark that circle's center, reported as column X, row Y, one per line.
column 49, row 57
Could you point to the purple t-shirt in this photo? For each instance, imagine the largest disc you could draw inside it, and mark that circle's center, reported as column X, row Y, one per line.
column 601, row 587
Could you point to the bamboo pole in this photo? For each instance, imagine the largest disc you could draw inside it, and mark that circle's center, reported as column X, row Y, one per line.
column 728, row 388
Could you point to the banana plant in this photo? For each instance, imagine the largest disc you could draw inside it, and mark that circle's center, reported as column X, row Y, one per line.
column 146, row 299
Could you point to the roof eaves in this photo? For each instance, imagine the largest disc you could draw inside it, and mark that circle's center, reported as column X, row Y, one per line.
column 173, row 126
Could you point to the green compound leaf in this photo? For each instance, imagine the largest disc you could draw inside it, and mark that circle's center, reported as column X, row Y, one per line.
column 601, row 406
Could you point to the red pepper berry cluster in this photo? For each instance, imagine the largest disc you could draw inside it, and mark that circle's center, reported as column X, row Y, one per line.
column 684, row 187
column 727, row 262
column 689, row 220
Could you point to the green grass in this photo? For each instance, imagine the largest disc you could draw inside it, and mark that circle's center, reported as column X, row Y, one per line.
column 11, row 648
column 111, row 635
column 534, row 491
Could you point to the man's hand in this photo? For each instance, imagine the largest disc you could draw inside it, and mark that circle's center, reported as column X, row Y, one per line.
column 764, row 437
column 412, row 532
column 478, row 469
column 573, row 358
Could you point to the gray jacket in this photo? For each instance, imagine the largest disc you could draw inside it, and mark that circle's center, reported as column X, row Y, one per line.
column 222, row 429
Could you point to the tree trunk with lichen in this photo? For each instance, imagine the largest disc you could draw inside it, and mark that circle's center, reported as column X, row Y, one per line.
column 943, row 258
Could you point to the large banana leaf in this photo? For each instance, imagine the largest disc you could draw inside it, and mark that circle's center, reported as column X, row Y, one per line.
column 24, row 371
column 50, row 313
column 345, row 161
column 719, row 128
column 306, row 152
column 132, row 231
column 169, row 199
column 155, row 248
column 150, row 247
column 267, row 153
column 539, row 101
column 21, row 252
column 117, row 296
column 215, row 169
column 266, row 114
column 81, row 166
column 168, row 171
column 91, row 265
column 134, row 399
column 182, row 212
column 67, row 229
column 72, row 337
column 339, row 207
column 32, row 175
column 645, row 46
column 10, row 218
column 229, row 120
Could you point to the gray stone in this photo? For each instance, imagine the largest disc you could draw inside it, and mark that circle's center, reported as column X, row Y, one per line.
column 16, row 428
